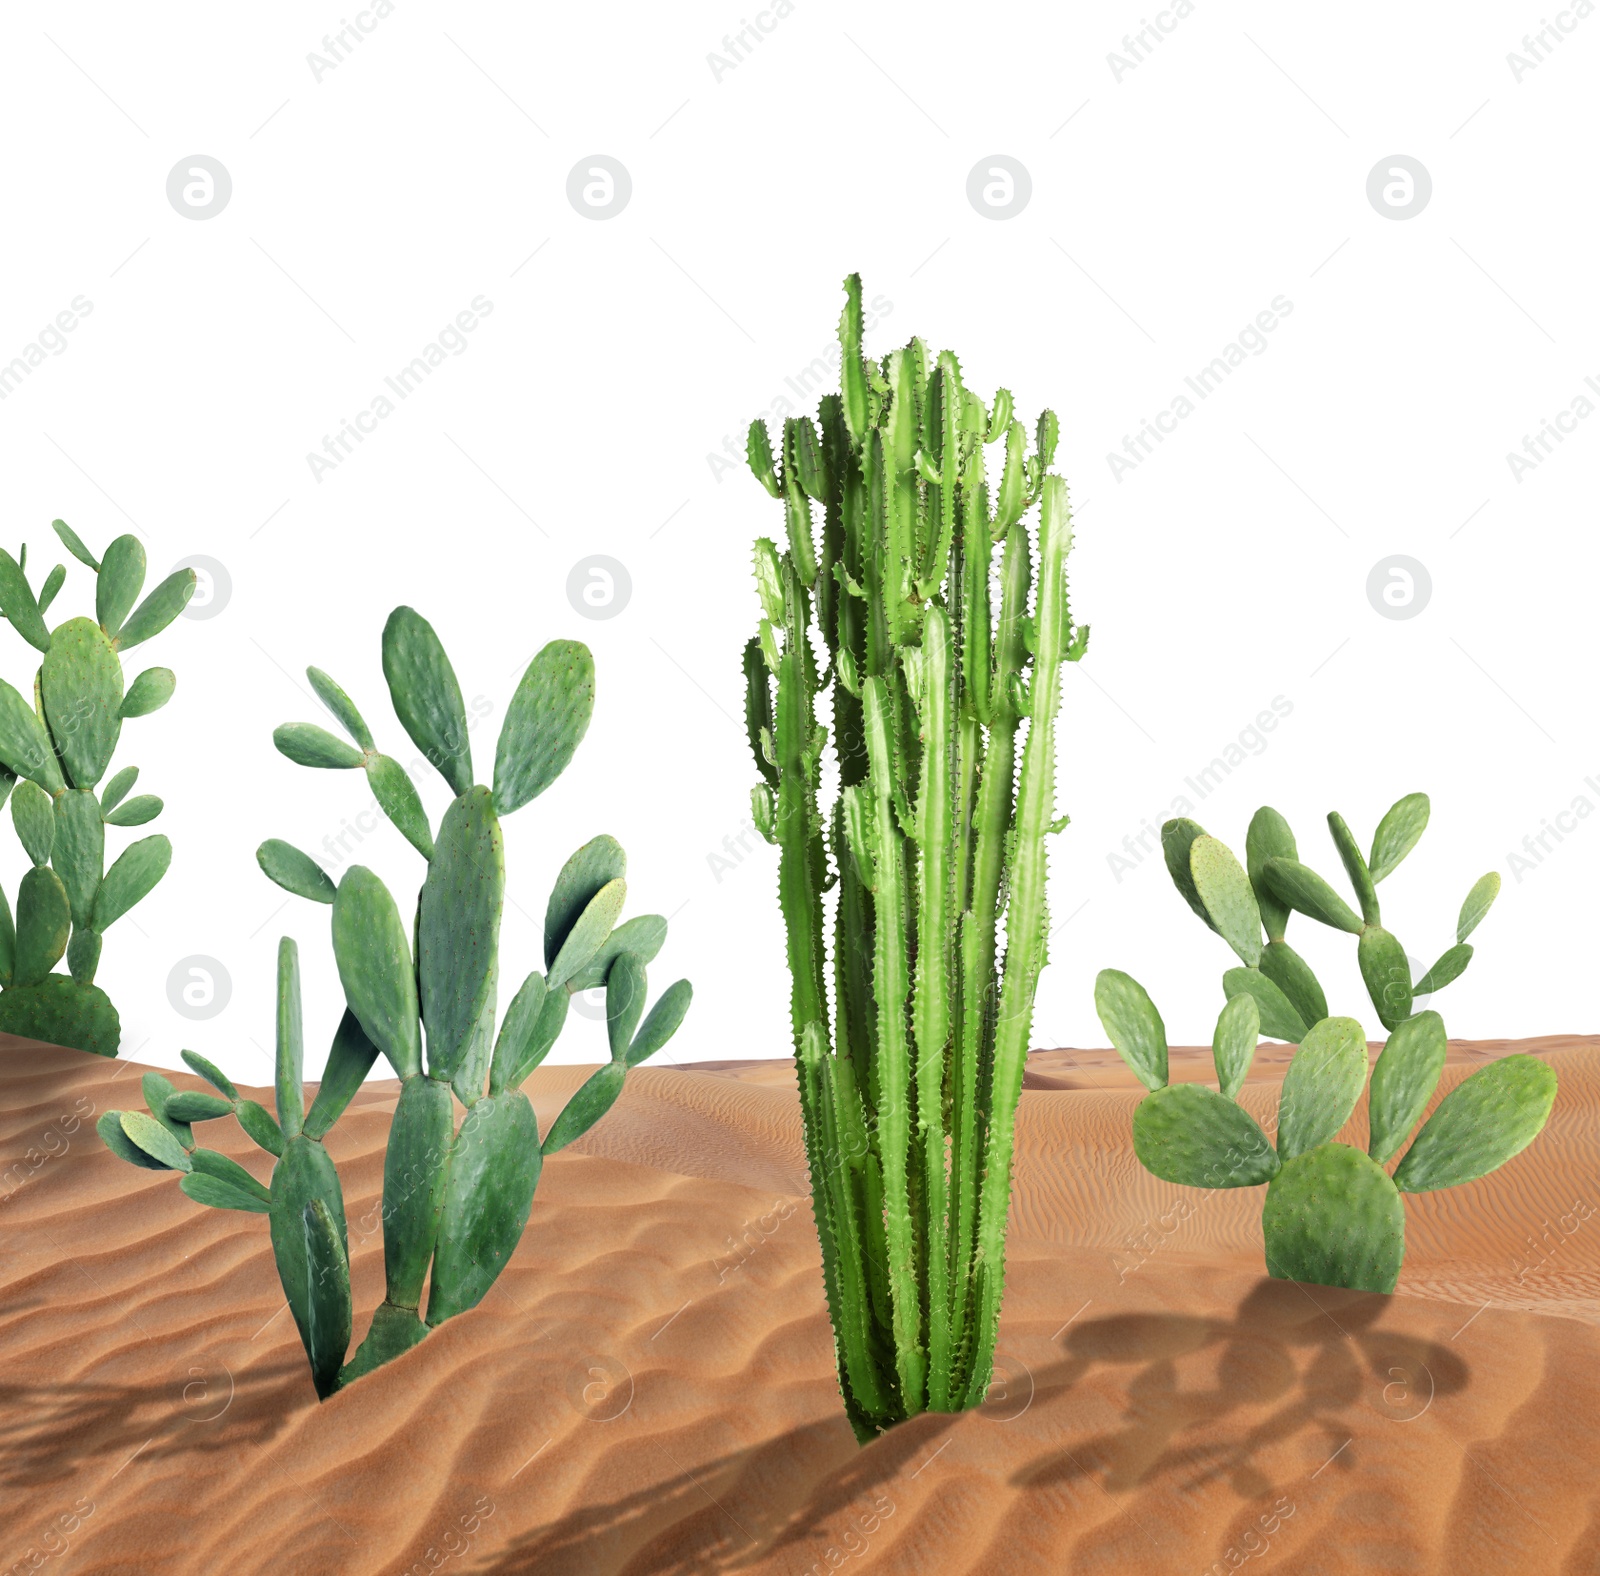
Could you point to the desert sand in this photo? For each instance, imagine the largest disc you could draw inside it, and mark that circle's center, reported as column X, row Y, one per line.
column 650, row 1386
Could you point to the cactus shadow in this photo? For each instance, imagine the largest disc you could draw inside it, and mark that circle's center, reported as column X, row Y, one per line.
column 1291, row 1360
column 53, row 1432
column 734, row 1512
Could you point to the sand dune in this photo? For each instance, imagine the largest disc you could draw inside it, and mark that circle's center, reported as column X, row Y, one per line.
column 649, row 1388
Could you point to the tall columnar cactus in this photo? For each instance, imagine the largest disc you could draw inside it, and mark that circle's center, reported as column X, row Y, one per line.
column 61, row 748
column 909, row 1076
column 1332, row 1215
column 455, row 1199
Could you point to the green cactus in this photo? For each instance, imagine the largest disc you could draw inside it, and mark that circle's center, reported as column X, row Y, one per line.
column 455, row 1200
column 909, row 1080
column 60, row 748
column 1332, row 1215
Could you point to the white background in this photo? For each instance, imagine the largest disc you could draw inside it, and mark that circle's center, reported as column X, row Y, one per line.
column 1171, row 202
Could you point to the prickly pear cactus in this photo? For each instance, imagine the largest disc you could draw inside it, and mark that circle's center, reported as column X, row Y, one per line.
column 424, row 997
column 909, row 1080
column 1332, row 1214
column 54, row 756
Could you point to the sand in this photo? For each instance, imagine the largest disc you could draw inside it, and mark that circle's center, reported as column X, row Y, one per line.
column 650, row 1387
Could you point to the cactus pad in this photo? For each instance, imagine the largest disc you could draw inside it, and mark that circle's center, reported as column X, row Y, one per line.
column 294, row 871
column 544, row 724
column 131, row 878
column 459, row 929
column 494, row 1169
column 375, row 967
column 1386, row 971
column 1292, row 975
column 1307, row 893
column 588, row 1104
column 1480, row 1124
column 82, row 688
column 119, row 583
column 661, row 1023
column 588, row 935
column 1190, row 1134
column 1135, row 1028
column 415, row 1167
column 340, row 704
column 1177, row 839
column 1225, row 890
column 158, row 609
column 18, row 604
column 1322, row 1085
column 350, row 1059
column 33, row 816
column 1452, row 964
column 1233, row 1046
column 326, row 1327
column 398, row 798
column 110, row 1129
column 44, row 921
column 307, row 744
column 24, row 746
column 1403, row 823
column 426, row 695
column 642, row 935
column 1269, row 837
column 1403, row 1082
column 149, row 692
column 305, row 1175
column 1332, row 1218
column 1355, row 867
column 1484, row 891
column 1279, row 1020
column 74, row 544
column 79, row 850
column 599, row 861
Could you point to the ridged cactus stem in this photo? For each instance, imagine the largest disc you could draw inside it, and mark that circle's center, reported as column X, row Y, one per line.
column 992, row 821
column 931, row 1008
column 907, row 1112
column 799, row 878
column 1027, row 918
column 891, row 968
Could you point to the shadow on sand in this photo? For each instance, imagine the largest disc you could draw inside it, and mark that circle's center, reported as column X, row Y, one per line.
column 1292, row 1359
column 85, row 1431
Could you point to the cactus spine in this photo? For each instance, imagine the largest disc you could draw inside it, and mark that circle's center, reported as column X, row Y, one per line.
column 909, row 1078
column 455, row 1200
column 1332, row 1214
column 54, row 754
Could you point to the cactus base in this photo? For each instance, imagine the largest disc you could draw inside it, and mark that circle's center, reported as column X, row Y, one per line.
column 394, row 1330
column 1334, row 1218
column 60, row 1011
